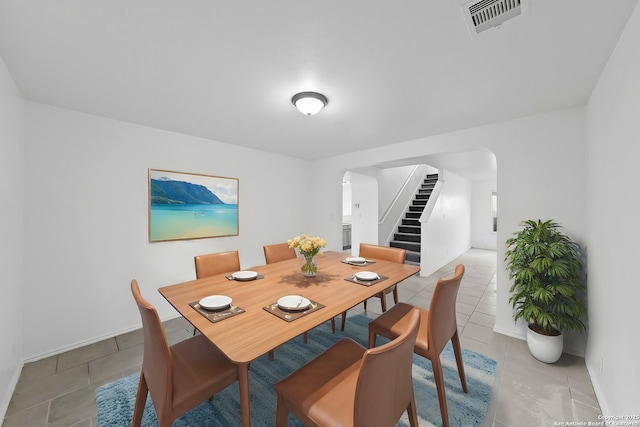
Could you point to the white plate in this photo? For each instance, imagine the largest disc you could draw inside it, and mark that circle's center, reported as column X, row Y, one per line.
column 294, row 302
column 356, row 260
column 215, row 302
column 366, row 275
column 244, row 275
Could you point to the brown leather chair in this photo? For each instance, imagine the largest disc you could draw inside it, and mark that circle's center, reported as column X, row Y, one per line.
column 348, row 385
column 384, row 253
column 278, row 252
column 179, row 377
column 437, row 327
column 218, row 263
column 282, row 252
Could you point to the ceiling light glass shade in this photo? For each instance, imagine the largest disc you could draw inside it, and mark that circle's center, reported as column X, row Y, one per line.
column 309, row 103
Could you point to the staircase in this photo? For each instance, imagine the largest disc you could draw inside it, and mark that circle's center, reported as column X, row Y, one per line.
column 409, row 234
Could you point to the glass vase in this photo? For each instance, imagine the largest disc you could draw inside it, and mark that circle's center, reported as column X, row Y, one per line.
column 309, row 267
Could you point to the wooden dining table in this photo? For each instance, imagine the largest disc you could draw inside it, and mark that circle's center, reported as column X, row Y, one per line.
column 254, row 332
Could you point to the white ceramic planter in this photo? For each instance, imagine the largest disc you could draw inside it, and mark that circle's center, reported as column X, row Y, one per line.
column 547, row 349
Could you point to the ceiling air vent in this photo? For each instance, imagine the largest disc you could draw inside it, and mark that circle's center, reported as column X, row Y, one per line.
column 485, row 14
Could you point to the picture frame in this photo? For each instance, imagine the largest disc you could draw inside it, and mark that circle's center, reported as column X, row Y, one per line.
column 187, row 206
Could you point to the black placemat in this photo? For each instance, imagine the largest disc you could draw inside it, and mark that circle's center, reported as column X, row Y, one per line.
column 352, row 278
column 217, row 315
column 291, row 315
column 355, row 264
column 230, row 277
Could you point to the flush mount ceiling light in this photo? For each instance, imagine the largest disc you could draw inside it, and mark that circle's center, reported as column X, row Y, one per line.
column 309, row 103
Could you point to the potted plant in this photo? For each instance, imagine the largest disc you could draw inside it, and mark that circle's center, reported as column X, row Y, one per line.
column 547, row 280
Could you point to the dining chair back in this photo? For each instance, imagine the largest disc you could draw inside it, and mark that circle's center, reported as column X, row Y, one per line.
column 437, row 327
column 348, row 385
column 442, row 310
column 217, row 263
column 156, row 353
column 384, row 253
column 178, row 377
column 390, row 390
column 278, row 252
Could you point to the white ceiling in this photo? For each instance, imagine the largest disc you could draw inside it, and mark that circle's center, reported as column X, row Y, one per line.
column 226, row 70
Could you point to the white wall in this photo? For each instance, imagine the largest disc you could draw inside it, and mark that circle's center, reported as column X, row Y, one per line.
column 11, row 238
column 482, row 234
column 390, row 182
column 446, row 233
column 86, row 220
column 364, row 205
column 613, row 152
column 547, row 182
column 347, row 197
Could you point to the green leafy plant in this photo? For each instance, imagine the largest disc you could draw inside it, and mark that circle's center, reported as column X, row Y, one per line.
column 547, row 274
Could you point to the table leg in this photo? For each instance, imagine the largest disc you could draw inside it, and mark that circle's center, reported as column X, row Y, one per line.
column 243, row 380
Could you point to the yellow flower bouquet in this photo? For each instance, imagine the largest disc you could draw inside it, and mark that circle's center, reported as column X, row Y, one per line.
column 308, row 247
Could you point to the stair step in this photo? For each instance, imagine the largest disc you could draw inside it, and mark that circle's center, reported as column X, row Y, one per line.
column 422, row 196
column 413, row 215
column 420, row 202
column 412, row 257
column 406, row 237
column 409, row 229
column 418, row 208
column 413, row 222
column 415, row 247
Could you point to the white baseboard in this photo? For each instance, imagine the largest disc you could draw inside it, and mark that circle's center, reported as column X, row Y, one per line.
column 569, row 350
column 509, row 333
column 77, row 345
column 89, row 341
column 602, row 402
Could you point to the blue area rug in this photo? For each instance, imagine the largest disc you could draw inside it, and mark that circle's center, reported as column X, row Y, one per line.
column 115, row 400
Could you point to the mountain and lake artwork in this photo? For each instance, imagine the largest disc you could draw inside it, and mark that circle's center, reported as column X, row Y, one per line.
column 191, row 206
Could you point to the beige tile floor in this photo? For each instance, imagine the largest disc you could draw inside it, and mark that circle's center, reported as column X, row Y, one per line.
column 60, row 390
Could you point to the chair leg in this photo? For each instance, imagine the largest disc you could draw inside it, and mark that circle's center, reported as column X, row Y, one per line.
column 455, row 342
column 141, row 399
column 306, row 337
column 442, row 396
column 282, row 414
column 344, row 320
column 383, row 301
column 372, row 339
column 333, row 325
column 271, row 354
column 395, row 295
column 412, row 413
column 365, row 304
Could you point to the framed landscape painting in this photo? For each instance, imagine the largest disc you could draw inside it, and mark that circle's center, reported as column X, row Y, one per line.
column 191, row 206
